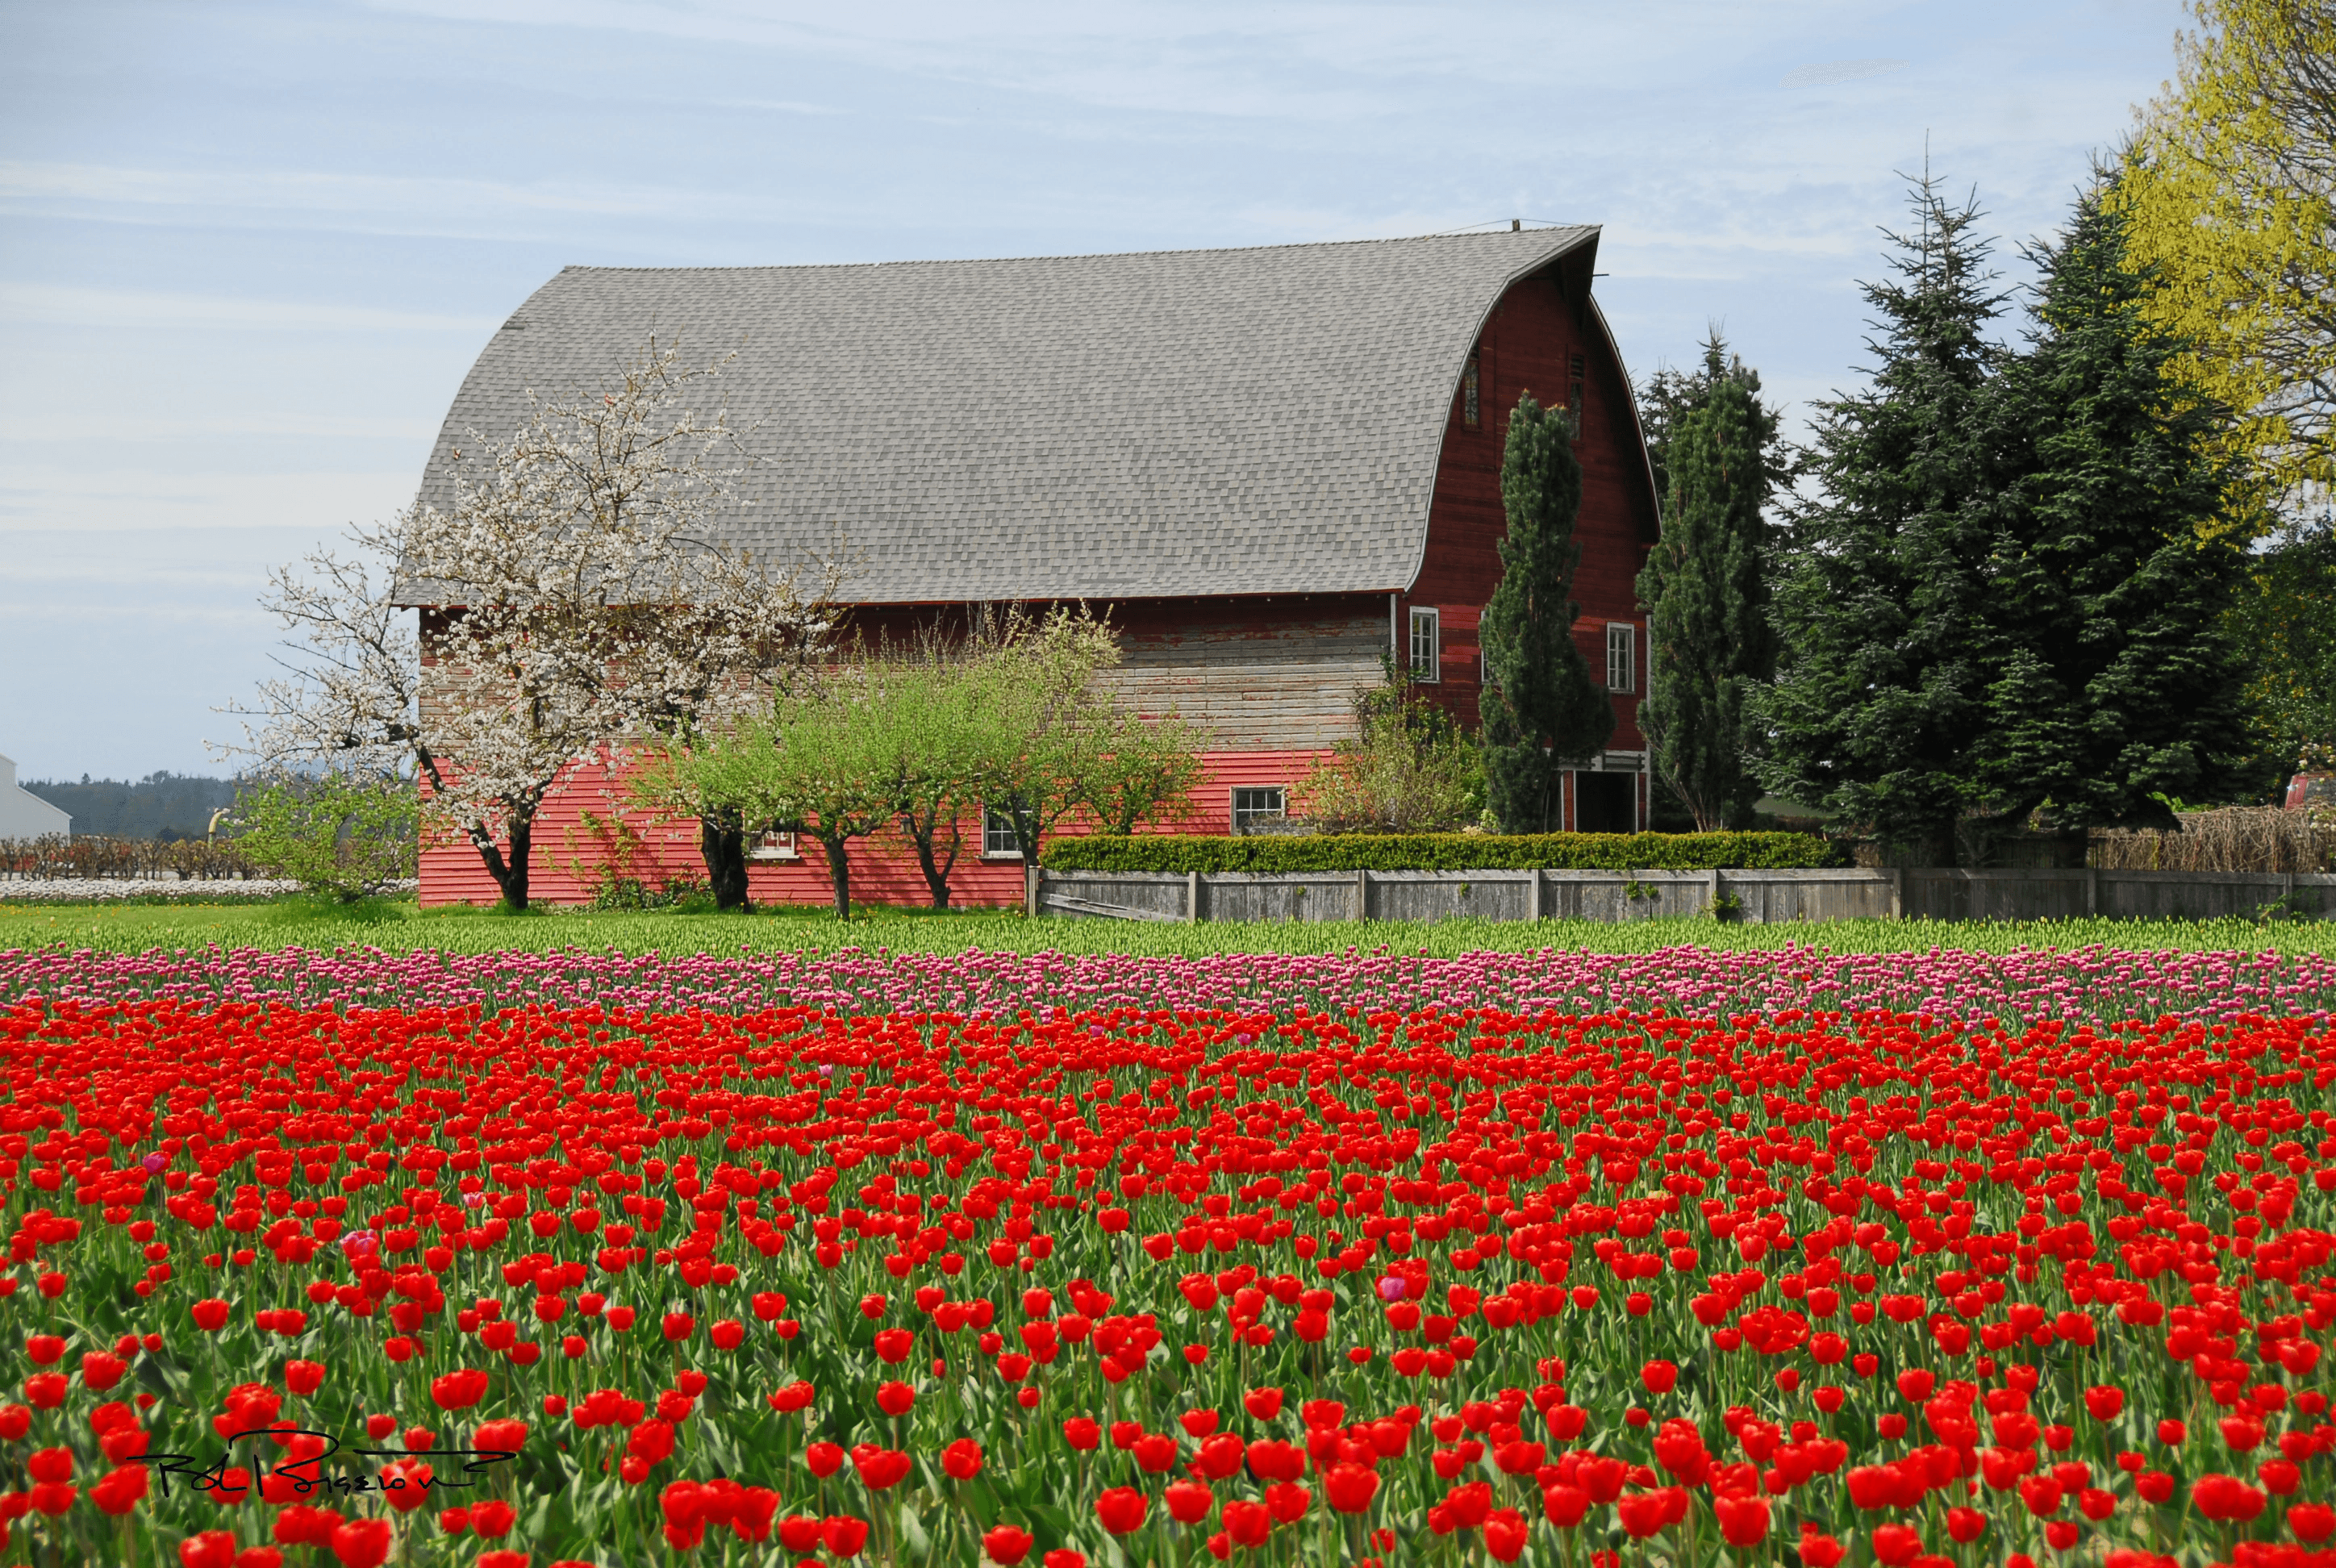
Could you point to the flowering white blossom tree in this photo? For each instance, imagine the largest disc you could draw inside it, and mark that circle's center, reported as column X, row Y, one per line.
column 579, row 601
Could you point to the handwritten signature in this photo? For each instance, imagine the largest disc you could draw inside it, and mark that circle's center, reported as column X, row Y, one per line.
column 307, row 1474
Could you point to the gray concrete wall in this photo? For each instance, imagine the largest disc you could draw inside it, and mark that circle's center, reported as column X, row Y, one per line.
column 1759, row 898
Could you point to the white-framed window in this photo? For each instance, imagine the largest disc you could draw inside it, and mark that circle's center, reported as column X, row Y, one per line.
column 998, row 839
column 770, row 844
column 1426, row 644
column 1622, row 657
column 1255, row 804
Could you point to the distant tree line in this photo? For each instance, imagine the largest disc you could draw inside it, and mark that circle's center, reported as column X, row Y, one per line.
column 163, row 807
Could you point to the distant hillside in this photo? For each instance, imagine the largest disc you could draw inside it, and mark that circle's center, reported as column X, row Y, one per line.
column 167, row 806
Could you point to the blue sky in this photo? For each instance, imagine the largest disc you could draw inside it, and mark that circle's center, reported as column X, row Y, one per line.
column 248, row 251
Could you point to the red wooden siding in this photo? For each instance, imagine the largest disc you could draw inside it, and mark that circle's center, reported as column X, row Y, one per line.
column 884, row 868
column 1528, row 344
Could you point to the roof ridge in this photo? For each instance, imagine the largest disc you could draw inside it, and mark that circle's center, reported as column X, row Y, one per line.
column 1082, row 255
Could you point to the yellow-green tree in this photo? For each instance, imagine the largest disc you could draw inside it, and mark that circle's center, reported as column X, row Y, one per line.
column 2229, row 198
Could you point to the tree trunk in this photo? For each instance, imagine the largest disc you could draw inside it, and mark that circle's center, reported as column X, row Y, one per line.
column 839, row 872
column 924, row 831
column 722, row 840
column 510, row 873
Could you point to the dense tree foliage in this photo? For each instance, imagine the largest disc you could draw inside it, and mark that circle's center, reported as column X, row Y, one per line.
column 1705, row 593
column 2010, row 592
column 1542, row 708
column 2230, row 197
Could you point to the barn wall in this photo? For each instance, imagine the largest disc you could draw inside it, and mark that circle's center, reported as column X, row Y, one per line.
column 1528, row 344
column 884, row 871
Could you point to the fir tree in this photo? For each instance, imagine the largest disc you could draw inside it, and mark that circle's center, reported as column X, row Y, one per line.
column 1883, row 689
column 2111, row 587
column 1705, row 591
column 1541, row 710
column 1668, row 397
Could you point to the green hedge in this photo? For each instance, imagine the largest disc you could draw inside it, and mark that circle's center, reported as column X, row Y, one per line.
column 1443, row 852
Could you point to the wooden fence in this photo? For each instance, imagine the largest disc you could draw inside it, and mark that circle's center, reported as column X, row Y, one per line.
column 1759, row 898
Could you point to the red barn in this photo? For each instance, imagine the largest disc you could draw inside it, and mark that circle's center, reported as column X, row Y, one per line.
column 1270, row 466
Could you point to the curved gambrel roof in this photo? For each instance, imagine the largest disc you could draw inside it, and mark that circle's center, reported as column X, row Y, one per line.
column 1158, row 424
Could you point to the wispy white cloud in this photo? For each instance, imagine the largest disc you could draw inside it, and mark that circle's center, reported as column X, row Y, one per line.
column 56, row 497
column 60, row 305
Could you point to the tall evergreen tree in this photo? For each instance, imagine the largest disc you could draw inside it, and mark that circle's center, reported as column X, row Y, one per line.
column 1669, row 396
column 2118, row 680
column 1881, row 691
column 1543, row 709
column 1706, row 595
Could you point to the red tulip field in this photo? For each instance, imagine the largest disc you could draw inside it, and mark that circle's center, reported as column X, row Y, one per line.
column 1169, row 1275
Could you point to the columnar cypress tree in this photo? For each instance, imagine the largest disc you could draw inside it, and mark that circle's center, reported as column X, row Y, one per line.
column 1542, row 708
column 1882, row 690
column 1706, row 595
column 2120, row 681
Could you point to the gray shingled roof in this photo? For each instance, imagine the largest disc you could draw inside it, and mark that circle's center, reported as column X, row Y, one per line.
column 1158, row 424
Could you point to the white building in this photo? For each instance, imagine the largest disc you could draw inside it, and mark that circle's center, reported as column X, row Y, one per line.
column 26, row 815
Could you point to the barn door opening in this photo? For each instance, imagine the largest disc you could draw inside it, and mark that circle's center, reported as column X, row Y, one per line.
column 1605, row 803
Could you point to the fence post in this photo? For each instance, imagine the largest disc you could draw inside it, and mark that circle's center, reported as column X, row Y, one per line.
column 1532, row 897
column 1362, row 895
column 1192, row 898
column 2092, row 889
column 1030, row 875
column 1897, row 893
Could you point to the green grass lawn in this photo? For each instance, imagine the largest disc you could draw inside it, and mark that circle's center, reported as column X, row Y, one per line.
column 402, row 927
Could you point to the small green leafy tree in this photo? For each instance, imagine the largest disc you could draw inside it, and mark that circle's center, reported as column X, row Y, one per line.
column 1409, row 769
column 827, row 764
column 1044, row 719
column 1139, row 770
column 347, row 836
column 936, row 701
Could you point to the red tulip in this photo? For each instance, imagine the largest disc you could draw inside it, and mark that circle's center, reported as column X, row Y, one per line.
column 363, row 1542
column 1894, row 1545
column 895, row 1398
column 844, row 1536
column 1659, row 1376
column 1005, row 1545
column 1189, row 1502
column 1122, row 1510
column 211, row 1549
column 961, row 1460
column 1505, row 1534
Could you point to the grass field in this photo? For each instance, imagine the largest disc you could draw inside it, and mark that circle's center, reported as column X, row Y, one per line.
column 401, row 927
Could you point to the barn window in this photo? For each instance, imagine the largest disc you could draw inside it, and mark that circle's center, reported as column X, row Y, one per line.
column 773, row 845
column 1259, row 804
column 1426, row 650
column 1573, row 390
column 1471, row 403
column 1622, row 657
column 998, row 839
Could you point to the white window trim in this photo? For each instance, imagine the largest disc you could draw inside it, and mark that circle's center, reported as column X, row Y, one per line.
column 786, row 849
column 1233, row 804
column 1631, row 658
column 1433, row 673
column 987, row 852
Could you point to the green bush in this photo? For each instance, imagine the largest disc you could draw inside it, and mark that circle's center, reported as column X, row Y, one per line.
column 343, row 836
column 1443, row 852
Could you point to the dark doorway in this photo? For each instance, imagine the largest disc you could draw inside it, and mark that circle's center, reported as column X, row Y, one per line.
column 1605, row 803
